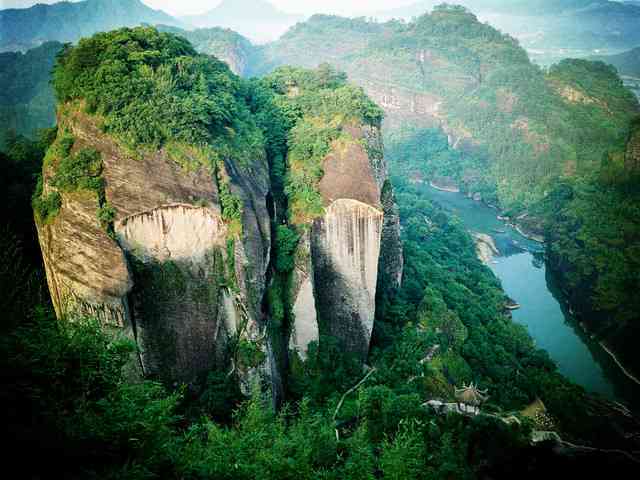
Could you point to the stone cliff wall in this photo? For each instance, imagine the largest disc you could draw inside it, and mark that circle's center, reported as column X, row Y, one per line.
column 171, row 272
column 339, row 257
column 345, row 247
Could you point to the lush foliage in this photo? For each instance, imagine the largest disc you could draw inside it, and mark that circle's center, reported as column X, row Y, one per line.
column 225, row 44
column 74, row 396
column 593, row 229
column 26, row 97
column 150, row 87
column 316, row 106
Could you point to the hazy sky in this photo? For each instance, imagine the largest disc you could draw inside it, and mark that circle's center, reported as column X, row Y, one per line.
column 182, row 7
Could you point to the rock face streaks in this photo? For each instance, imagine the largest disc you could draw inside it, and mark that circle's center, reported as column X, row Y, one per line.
column 86, row 270
column 345, row 248
column 172, row 232
column 339, row 258
column 180, row 303
column 172, row 276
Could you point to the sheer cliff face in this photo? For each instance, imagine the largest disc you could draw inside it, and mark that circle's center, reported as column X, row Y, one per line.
column 345, row 247
column 338, row 259
column 171, row 274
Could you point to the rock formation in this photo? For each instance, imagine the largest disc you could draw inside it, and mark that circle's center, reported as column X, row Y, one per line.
column 172, row 272
column 485, row 248
column 172, row 244
column 342, row 252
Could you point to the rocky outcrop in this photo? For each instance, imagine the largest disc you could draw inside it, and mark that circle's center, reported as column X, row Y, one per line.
column 345, row 248
column 305, row 330
column 485, row 248
column 340, row 257
column 172, row 272
column 391, row 263
column 86, row 270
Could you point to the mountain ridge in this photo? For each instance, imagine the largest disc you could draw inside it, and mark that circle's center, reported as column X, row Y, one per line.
column 25, row 28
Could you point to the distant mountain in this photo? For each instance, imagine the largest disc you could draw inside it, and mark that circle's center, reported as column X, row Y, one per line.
column 258, row 20
column 627, row 63
column 548, row 26
column 514, row 7
column 26, row 97
column 24, row 28
column 230, row 47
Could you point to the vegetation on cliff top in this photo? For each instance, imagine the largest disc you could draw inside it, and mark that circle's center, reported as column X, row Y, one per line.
column 316, row 106
column 151, row 89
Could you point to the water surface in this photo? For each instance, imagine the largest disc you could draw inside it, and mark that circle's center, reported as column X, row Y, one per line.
column 524, row 278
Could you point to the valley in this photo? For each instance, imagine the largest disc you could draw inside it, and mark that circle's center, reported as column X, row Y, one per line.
column 524, row 278
column 283, row 246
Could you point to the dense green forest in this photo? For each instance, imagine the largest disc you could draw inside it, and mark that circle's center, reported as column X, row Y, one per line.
column 593, row 229
column 26, row 100
column 70, row 404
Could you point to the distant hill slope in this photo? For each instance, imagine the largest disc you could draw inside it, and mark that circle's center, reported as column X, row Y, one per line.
column 26, row 97
column 526, row 7
column 21, row 29
column 553, row 147
column 627, row 63
column 27, row 102
column 227, row 45
column 521, row 128
column 258, row 20
column 581, row 25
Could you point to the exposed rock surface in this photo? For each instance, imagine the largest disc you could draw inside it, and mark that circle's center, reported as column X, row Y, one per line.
column 86, row 270
column 180, row 279
column 485, row 248
column 345, row 247
column 173, row 275
column 391, row 264
column 305, row 329
column 338, row 260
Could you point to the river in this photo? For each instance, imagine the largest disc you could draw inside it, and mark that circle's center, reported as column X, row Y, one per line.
column 521, row 269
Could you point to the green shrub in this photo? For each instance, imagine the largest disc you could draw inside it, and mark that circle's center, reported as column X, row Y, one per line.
column 47, row 207
column 231, row 204
column 79, row 171
column 286, row 243
column 314, row 106
column 106, row 215
column 150, row 87
column 249, row 353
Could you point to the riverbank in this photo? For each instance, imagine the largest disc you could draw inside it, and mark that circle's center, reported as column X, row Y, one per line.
column 517, row 223
column 450, row 189
column 544, row 311
column 580, row 316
